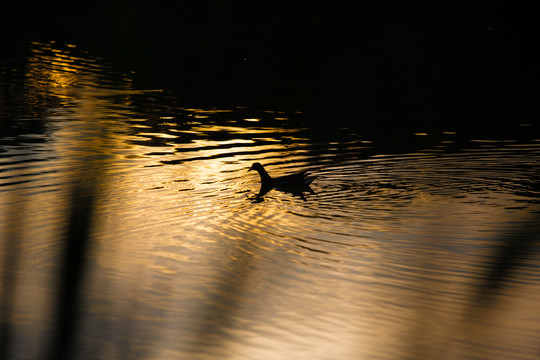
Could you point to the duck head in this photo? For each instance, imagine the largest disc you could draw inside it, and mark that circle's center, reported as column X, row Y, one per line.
column 256, row 166
column 265, row 178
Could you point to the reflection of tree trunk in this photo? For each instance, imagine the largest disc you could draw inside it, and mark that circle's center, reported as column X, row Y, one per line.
column 510, row 255
column 8, row 274
column 223, row 303
column 496, row 302
column 72, row 270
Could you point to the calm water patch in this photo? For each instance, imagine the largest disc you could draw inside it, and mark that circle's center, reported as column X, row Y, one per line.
column 387, row 258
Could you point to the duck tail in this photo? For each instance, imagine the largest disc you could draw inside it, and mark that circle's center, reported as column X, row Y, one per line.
column 308, row 180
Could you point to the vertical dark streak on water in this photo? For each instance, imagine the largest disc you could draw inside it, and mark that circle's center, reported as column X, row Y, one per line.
column 508, row 257
column 9, row 276
column 232, row 281
column 512, row 254
column 72, row 271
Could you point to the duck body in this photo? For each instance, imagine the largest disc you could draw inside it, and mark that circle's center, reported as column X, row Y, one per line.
column 300, row 179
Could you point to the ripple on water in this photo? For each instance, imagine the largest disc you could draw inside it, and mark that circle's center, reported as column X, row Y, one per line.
column 388, row 242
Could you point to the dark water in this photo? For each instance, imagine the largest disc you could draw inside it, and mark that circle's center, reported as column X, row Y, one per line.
column 411, row 245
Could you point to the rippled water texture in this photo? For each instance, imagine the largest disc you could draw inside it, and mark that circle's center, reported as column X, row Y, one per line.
column 425, row 249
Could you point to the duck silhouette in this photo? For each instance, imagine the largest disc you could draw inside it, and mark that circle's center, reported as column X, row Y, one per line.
column 295, row 183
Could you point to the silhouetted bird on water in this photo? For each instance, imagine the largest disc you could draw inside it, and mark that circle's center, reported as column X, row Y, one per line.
column 293, row 183
column 293, row 180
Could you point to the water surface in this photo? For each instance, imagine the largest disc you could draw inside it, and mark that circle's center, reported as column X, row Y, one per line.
column 427, row 248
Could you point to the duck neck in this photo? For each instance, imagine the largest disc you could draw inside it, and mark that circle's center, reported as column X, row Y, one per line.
column 265, row 178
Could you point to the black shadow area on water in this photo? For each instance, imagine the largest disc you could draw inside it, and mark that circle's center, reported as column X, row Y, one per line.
column 396, row 63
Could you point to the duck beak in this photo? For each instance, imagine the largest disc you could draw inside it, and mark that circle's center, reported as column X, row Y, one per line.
column 251, row 168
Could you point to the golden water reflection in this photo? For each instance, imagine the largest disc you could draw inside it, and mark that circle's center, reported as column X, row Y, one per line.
column 401, row 257
column 383, row 261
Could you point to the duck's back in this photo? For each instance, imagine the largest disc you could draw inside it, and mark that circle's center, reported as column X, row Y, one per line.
column 298, row 179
